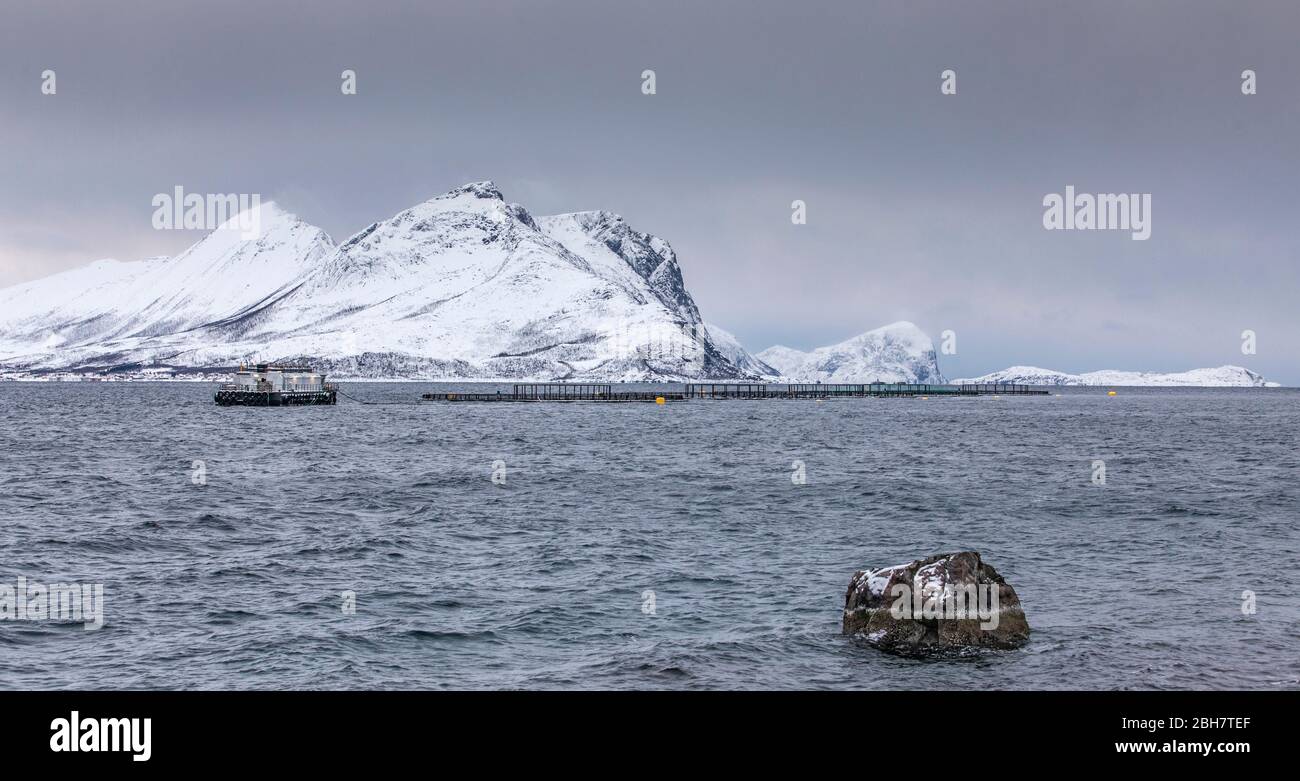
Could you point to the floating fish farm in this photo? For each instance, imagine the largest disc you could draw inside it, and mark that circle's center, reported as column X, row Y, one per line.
column 267, row 385
column 571, row 392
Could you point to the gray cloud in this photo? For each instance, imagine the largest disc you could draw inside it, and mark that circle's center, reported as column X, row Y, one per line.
column 920, row 206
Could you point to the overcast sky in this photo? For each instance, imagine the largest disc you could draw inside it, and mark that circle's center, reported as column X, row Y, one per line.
column 920, row 206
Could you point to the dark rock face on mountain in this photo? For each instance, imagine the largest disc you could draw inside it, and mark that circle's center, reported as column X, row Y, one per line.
column 650, row 256
column 952, row 603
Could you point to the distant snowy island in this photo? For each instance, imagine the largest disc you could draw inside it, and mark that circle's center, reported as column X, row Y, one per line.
column 1220, row 377
column 899, row 352
column 462, row 287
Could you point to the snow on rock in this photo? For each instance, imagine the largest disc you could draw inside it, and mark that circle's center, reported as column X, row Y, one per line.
column 899, row 352
column 1221, row 377
column 464, row 285
column 963, row 603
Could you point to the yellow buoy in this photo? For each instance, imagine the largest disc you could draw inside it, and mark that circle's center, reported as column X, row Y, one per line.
column 659, row 399
column 1110, row 393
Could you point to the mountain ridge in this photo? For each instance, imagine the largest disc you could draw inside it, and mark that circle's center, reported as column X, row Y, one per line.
column 459, row 286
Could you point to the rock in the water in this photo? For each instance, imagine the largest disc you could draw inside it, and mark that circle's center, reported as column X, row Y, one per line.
column 948, row 603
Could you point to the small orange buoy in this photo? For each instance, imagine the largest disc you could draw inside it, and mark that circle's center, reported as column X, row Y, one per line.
column 659, row 399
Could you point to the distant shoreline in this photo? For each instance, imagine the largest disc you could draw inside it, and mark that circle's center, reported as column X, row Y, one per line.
column 225, row 377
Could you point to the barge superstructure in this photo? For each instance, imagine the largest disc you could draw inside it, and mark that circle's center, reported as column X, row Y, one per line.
column 271, row 385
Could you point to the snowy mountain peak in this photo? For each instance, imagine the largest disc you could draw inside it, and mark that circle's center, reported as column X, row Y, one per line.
column 593, row 220
column 486, row 189
column 898, row 352
column 478, row 207
column 275, row 242
column 264, row 214
column 902, row 332
column 284, row 244
column 106, row 308
column 483, row 285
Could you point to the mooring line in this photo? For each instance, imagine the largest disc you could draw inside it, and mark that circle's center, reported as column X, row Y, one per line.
column 377, row 403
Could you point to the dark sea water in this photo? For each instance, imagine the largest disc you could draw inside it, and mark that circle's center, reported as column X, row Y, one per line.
column 540, row 582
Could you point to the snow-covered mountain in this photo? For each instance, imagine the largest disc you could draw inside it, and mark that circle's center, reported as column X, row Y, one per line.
column 1223, row 376
column 110, row 307
column 464, row 285
column 735, row 352
column 899, row 352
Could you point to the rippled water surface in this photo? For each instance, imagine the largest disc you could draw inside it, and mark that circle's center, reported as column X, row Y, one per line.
column 540, row 582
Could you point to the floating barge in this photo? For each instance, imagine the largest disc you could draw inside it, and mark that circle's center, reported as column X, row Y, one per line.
column 268, row 385
column 569, row 392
